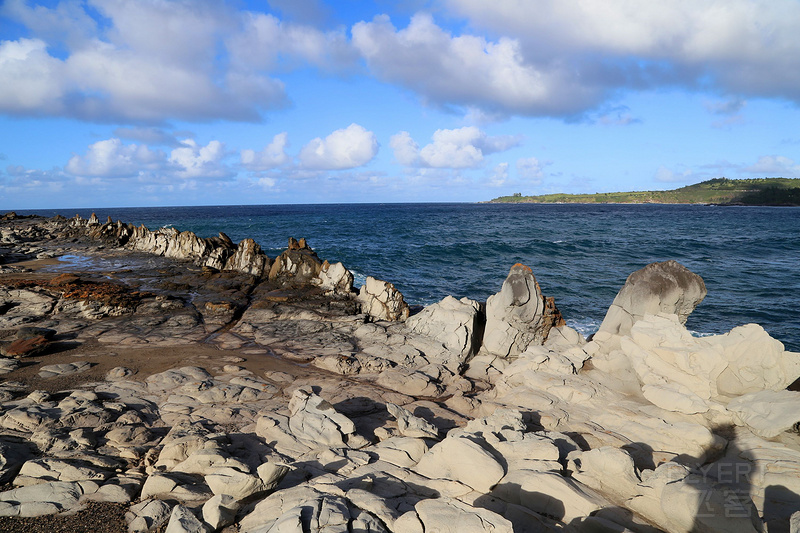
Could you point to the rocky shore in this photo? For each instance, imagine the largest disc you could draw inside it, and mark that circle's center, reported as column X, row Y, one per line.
column 159, row 381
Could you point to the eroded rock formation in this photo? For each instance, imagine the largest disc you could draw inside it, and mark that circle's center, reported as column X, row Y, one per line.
column 226, row 399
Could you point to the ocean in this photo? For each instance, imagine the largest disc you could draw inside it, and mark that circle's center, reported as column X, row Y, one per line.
column 581, row 255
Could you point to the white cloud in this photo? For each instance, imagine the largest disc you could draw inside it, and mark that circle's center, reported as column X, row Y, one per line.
column 774, row 166
column 272, row 156
column 665, row 175
column 112, row 159
column 153, row 61
column 33, row 81
column 747, row 47
column 267, row 183
column 499, row 175
column 457, row 148
column 194, row 161
column 351, row 147
column 530, row 170
column 467, row 70
column 406, row 151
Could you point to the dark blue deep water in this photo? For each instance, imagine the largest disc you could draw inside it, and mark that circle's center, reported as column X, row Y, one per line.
column 749, row 257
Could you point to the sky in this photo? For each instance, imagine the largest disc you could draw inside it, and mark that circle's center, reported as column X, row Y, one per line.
column 119, row 103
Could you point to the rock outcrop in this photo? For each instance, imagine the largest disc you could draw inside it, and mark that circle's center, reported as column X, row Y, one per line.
column 382, row 301
column 457, row 324
column 291, row 410
column 667, row 287
column 519, row 315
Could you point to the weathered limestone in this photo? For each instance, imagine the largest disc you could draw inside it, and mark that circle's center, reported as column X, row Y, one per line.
column 298, row 263
column 638, row 429
column 148, row 515
column 518, row 316
column 382, row 301
column 767, row 413
column 457, row 324
column 688, row 374
column 335, row 279
column 316, row 423
column 463, row 460
column 666, row 287
column 248, row 258
column 411, row 426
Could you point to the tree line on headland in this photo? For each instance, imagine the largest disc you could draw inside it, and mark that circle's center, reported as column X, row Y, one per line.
column 718, row 191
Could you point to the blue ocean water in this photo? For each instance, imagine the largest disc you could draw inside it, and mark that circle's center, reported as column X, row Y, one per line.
column 581, row 255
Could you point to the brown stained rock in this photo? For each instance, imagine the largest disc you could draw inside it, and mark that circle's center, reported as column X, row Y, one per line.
column 63, row 280
column 25, row 347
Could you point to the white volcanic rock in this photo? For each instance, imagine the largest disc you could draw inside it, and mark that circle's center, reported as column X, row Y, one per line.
column 666, row 287
column 549, row 494
column 181, row 487
column 118, row 373
column 64, row 369
column 607, row 470
column 182, row 520
column 240, row 485
column 412, row 426
column 119, row 489
column 148, row 515
column 400, row 451
column 48, row 469
column 518, row 316
column 410, row 382
column 698, row 504
column 687, row 374
column 44, row 498
column 315, row 422
column 249, row 258
column 768, row 413
column 24, row 303
column 453, row 323
column 462, row 460
column 335, row 279
column 305, row 508
column 382, row 301
column 175, row 377
column 220, row 511
column 447, row 515
column 8, row 365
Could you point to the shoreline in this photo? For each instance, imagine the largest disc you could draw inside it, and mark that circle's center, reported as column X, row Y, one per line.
column 469, row 406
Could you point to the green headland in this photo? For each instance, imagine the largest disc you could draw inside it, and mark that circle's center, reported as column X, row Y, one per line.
column 718, row 191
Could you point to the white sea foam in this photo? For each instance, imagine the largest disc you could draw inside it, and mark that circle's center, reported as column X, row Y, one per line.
column 584, row 326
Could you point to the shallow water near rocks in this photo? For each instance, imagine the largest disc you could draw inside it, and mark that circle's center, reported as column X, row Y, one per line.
column 581, row 255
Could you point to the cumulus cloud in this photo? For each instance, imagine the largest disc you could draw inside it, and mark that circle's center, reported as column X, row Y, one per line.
column 467, row 70
column 153, row 61
column 192, row 160
column 775, row 166
column 457, row 148
column 499, row 175
column 32, row 79
column 351, row 147
column 565, row 57
column 530, row 170
column 665, row 175
column 112, row 159
column 273, row 155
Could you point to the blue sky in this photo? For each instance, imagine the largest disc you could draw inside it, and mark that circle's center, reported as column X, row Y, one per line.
column 155, row 102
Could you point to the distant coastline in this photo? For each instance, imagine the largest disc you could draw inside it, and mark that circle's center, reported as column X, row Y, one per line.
column 719, row 191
